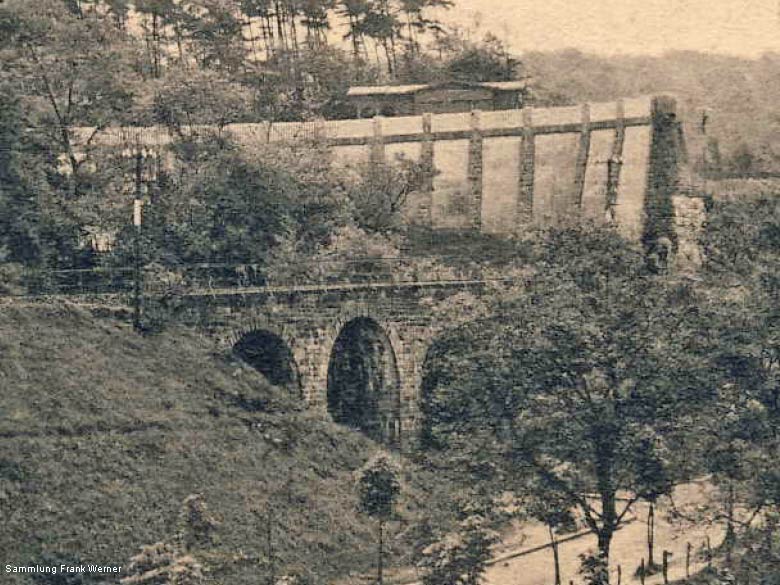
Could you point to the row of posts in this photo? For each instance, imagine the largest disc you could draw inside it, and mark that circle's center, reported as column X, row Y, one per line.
column 644, row 571
column 527, row 158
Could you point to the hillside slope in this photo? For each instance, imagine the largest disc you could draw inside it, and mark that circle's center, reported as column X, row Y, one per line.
column 103, row 433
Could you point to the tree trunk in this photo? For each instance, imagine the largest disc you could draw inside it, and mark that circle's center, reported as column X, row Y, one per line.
column 731, row 536
column 268, row 36
column 380, row 556
column 650, row 534
column 388, row 56
column 354, row 34
column 412, row 42
column 294, row 34
column 605, row 542
column 393, row 52
column 156, row 47
column 605, row 480
column 252, row 39
column 179, row 45
column 270, row 547
column 281, row 38
column 556, row 559
column 771, row 526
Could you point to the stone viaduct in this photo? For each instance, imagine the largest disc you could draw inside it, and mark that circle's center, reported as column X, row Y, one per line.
column 352, row 352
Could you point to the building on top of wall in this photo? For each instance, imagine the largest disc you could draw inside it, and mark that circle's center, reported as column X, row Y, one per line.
column 453, row 96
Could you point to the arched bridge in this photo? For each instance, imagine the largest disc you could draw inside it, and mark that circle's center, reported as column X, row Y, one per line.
column 351, row 352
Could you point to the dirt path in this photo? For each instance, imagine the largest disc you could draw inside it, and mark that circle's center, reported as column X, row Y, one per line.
column 628, row 548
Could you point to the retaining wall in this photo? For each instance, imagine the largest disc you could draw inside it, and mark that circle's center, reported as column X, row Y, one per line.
column 502, row 171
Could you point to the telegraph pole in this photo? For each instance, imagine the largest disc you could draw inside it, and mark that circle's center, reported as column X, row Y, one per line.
column 137, row 220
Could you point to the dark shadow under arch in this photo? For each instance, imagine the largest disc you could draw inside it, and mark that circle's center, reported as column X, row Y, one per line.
column 271, row 356
column 363, row 382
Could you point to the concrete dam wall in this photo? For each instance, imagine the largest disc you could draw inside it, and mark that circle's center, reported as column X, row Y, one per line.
column 501, row 171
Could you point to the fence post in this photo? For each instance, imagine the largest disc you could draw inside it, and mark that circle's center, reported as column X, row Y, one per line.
column 475, row 168
column 666, row 554
column 688, row 548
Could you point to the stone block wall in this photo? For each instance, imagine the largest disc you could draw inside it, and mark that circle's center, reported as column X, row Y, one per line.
column 690, row 215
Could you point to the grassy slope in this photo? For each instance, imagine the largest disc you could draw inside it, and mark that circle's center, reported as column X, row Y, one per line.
column 103, row 433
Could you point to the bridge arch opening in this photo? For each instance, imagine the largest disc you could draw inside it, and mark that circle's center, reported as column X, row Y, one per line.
column 270, row 355
column 363, row 381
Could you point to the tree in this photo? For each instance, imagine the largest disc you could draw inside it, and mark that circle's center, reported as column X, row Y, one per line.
column 269, row 211
column 654, row 480
column 380, row 23
column 569, row 373
column 196, row 525
column 215, row 33
column 231, row 210
column 259, row 10
column 76, row 71
column 418, row 22
column 378, row 490
column 157, row 15
column 381, row 191
column 486, row 61
column 315, row 19
column 193, row 103
column 19, row 214
column 354, row 11
column 742, row 259
column 461, row 556
column 552, row 508
column 175, row 563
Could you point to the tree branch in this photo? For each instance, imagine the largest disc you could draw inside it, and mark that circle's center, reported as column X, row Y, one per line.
column 630, row 503
column 591, row 515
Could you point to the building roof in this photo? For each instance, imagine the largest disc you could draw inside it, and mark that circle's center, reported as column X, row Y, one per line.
column 385, row 90
column 377, row 90
column 505, row 85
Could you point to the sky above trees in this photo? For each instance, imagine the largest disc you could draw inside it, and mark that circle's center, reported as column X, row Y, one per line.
column 740, row 27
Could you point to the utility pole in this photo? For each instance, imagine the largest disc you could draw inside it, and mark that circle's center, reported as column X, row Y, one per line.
column 137, row 221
